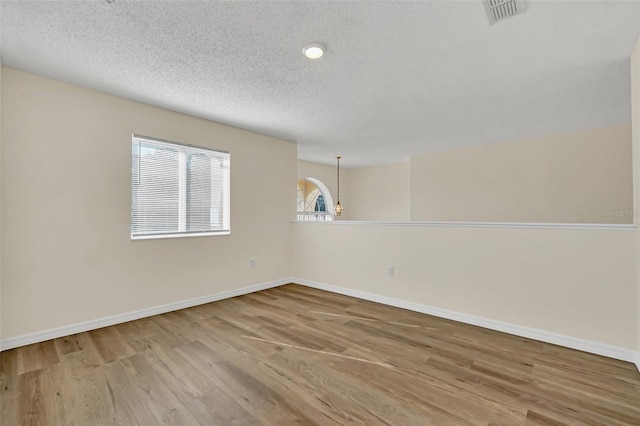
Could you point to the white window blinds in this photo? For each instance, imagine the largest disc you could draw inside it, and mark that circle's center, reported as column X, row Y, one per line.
column 177, row 190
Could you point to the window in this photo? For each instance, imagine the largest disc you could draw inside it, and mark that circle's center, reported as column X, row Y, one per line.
column 320, row 206
column 314, row 200
column 178, row 190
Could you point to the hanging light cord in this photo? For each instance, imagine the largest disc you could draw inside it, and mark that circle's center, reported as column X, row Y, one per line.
column 338, row 208
column 338, row 158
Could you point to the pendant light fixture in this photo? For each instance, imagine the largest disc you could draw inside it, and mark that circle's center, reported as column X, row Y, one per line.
column 338, row 205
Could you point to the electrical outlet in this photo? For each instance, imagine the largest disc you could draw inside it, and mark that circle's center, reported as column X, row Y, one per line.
column 391, row 271
column 252, row 263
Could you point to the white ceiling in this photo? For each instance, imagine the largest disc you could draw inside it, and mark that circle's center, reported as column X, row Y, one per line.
column 398, row 78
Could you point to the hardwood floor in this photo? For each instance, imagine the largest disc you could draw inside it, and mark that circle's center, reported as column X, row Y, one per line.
column 294, row 355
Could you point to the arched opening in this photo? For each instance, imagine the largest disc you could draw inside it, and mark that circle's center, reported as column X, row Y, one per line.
column 314, row 200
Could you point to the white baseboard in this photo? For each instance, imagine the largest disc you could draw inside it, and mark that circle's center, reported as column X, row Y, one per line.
column 530, row 333
column 41, row 336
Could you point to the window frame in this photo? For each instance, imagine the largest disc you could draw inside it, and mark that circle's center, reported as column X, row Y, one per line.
column 226, row 191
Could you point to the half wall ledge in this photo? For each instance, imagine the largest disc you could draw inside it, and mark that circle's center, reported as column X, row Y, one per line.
column 520, row 225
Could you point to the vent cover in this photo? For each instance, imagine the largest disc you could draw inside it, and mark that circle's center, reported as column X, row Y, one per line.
column 499, row 10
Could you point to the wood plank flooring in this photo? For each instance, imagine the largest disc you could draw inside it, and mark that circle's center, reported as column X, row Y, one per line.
column 294, row 355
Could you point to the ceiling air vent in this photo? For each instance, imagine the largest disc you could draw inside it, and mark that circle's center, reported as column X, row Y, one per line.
column 499, row 10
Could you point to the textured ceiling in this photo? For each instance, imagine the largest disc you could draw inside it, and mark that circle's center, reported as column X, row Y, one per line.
column 398, row 78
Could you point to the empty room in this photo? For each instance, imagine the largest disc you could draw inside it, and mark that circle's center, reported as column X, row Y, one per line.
column 319, row 212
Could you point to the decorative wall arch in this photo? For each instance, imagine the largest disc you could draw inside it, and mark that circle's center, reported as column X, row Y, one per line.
column 306, row 211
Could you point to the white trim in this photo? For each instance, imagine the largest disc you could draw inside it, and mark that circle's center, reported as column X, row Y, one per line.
column 530, row 333
column 595, row 226
column 179, row 235
column 41, row 336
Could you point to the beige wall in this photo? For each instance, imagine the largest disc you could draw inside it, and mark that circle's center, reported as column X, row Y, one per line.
column 67, row 253
column 580, row 177
column 67, row 256
column 1, row 120
column 575, row 177
column 574, row 282
column 635, row 119
column 379, row 193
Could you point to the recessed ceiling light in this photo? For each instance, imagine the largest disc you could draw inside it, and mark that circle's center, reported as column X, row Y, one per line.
column 313, row 50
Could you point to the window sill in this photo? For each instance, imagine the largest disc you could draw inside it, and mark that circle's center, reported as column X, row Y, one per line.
column 164, row 236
